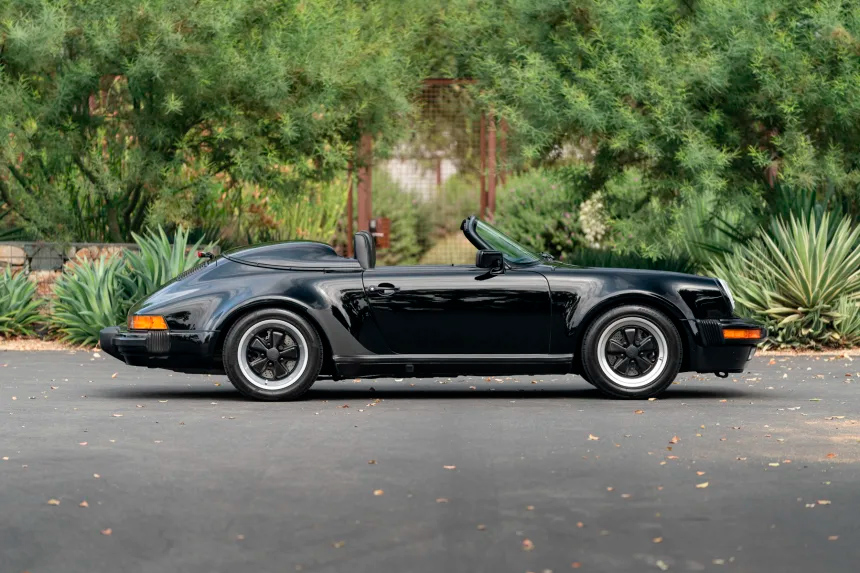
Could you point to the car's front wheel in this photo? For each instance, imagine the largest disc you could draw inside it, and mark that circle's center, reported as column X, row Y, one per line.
column 632, row 352
column 272, row 354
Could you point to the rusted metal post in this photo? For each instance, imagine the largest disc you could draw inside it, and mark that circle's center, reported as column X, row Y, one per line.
column 491, row 168
column 350, row 231
column 503, row 152
column 483, row 150
column 365, row 165
column 438, row 171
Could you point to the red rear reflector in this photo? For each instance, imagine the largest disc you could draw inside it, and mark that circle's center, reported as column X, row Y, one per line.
column 143, row 322
column 741, row 333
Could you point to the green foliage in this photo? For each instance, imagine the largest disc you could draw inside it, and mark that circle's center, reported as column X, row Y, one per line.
column 107, row 108
column 19, row 307
column 726, row 98
column 540, row 212
column 249, row 215
column 88, row 297
column 847, row 324
column 157, row 262
column 796, row 276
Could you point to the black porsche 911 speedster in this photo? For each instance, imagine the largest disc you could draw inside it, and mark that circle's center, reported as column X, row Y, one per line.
column 277, row 317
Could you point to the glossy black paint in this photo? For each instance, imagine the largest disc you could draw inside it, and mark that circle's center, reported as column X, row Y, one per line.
column 423, row 320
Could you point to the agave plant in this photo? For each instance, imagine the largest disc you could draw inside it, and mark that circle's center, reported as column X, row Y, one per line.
column 19, row 308
column 847, row 325
column 89, row 297
column 795, row 276
column 158, row 261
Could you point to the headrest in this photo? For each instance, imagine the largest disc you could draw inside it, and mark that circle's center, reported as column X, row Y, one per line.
column 365, row 249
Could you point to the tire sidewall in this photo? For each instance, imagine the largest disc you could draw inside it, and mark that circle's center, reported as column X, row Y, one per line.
column 231, row 355
column 590, row 352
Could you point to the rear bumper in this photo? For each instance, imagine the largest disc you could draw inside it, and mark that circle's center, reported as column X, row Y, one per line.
column 186, row 351
column 710, row 352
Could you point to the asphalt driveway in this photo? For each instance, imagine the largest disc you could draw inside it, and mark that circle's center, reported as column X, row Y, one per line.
column 760, row 472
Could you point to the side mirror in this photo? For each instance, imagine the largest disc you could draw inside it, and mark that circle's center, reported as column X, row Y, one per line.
column 491, row 260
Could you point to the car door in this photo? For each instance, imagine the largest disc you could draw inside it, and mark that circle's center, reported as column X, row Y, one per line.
column 460, row 310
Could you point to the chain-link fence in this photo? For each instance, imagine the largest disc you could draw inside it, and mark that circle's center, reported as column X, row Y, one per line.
column 444, row 171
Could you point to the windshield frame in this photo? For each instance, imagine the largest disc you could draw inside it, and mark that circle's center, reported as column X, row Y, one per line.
column 513, row 252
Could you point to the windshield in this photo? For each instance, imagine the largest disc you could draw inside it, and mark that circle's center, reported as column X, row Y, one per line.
column 512, row 251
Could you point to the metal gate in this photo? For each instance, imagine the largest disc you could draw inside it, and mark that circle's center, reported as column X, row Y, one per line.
column 445, row 169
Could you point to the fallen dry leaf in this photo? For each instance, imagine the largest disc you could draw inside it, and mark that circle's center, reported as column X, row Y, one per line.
column 97, row 476
column 774, row 464
column 240, row 537
column 593, row 437
column 53, row 501
column 450, row 467
column 481, row 527
column 638, row 411
column 700, row 473
column 113, row 376
column 371, row 462
column 441, row 500
column 378, row 492
column 674, row 440
column 702, row 485
column 338, row 544
column 823, row 502
column 580, row 525
column 657, row 540
column 831, row 455
column 832, row 538
column 530, row 508
column 528, row 545
column 107, row 531
column 116, row 415
column 83, row 504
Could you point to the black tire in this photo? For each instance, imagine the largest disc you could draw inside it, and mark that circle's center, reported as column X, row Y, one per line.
column 631, row 352
column 252, row 371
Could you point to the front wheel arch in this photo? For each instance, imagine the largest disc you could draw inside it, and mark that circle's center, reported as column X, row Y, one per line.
column 671, row 311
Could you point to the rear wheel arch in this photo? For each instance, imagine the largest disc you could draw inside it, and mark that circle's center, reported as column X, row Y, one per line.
column 284, row 304
column 672, row 312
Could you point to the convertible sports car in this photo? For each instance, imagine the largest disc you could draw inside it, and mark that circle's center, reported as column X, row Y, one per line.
column 277, row 317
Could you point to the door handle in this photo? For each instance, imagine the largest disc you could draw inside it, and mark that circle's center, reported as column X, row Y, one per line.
column 384, row 289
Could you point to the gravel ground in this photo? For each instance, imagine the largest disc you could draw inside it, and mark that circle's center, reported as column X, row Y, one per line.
column 178, row 473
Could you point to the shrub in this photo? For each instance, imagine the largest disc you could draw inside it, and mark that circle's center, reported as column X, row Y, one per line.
column 89, row 296
column 541, row 212
column 798, row 276
column 19, row 308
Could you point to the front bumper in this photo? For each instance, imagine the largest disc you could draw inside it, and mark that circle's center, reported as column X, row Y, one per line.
column 184, row 351
column 711, row 352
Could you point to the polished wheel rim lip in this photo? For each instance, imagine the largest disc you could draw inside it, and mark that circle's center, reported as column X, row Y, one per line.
column 640, row 325
column 293, row 374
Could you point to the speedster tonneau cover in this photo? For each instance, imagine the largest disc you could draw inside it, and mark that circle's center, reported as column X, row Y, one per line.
column 298, row 255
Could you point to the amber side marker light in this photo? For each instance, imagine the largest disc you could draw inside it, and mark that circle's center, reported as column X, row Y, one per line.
column 741, row 333
column 144, row 322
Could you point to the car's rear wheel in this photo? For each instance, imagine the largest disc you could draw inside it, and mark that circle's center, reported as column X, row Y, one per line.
column 272, row 354
column 632, row 352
